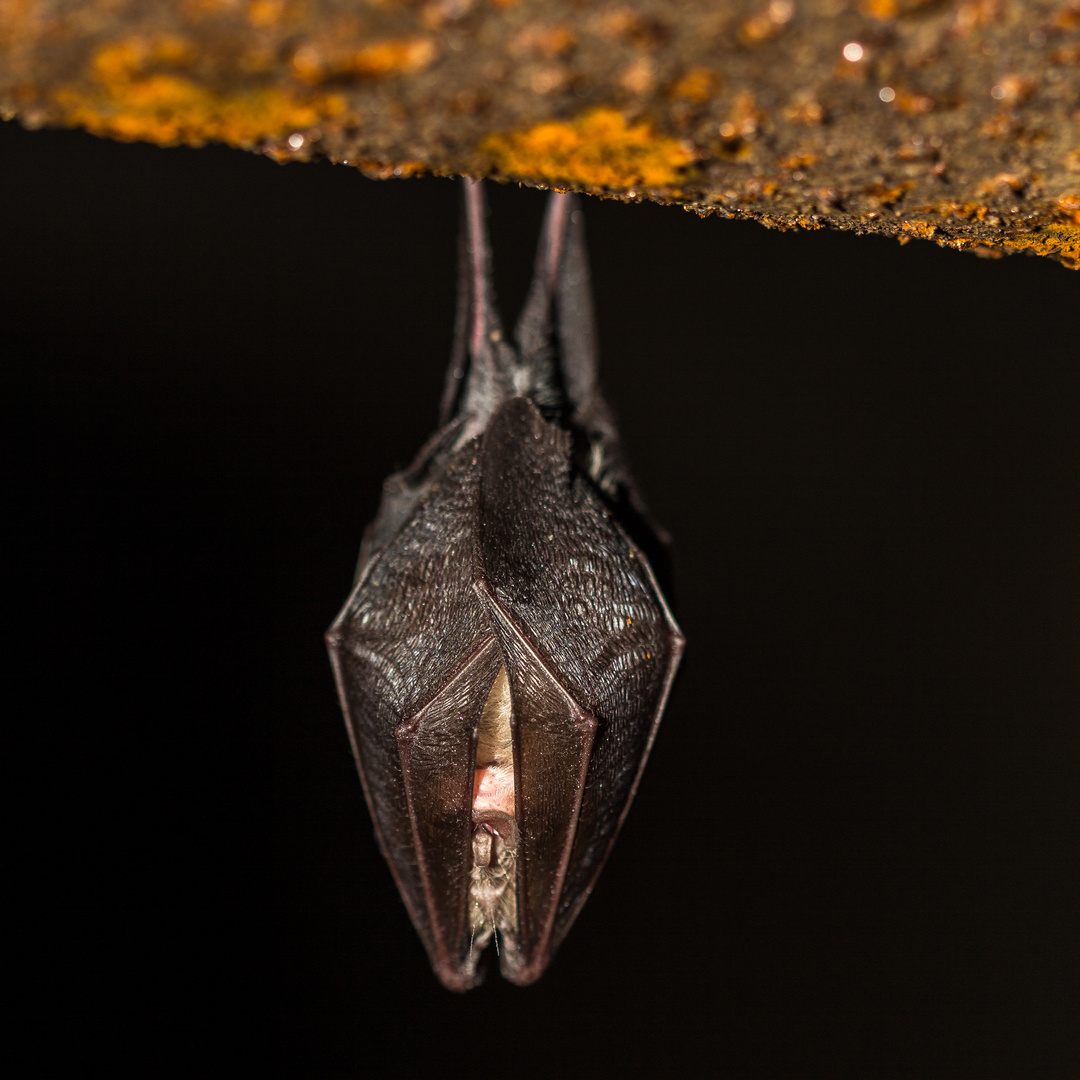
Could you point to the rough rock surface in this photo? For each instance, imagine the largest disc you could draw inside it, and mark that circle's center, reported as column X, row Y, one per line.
column 951, row 120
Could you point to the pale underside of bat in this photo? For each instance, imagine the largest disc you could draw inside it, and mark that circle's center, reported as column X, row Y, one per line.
column 506, row 652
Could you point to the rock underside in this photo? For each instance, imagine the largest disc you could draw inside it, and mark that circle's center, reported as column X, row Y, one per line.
column 951, row 120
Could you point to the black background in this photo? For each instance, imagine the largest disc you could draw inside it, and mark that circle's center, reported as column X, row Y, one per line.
column 854, row 851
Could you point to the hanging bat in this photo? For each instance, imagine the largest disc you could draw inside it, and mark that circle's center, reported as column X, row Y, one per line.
column 505, row 654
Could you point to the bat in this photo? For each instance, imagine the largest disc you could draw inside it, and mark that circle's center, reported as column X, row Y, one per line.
column 506, row 652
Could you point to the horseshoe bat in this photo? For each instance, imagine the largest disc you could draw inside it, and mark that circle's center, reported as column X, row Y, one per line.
column 505, row 655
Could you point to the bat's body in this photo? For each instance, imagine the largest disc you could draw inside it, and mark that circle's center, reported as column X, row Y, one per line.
column 505, row 655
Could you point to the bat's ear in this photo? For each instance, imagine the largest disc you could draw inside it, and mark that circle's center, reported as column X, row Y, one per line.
column 482, row 364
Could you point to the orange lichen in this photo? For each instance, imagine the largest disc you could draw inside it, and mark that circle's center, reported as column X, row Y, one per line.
column 547, row 78
column 745, row 117
column 639, row 77
column 886, row 196
column 913, row 104
column 397, row 56
column 974, row 14
column 596, row 150
column 804, row 109
column 631, row 27
column 798, row 161
column 266, row 13
column 767, row 24
column 922, row 229
column 201, row 9
column 142, row 93
column 697, row 85
column 546, row 42
column 394, row 57
column 758, row 28
column 1069, row 206
column 168, row 111
column 1068, row 16
column 1061, row 242
column 1014, row 89
column 892, row 9
column 880, row 9
column 968, row 211
column 1011, row 181
column 124, row 61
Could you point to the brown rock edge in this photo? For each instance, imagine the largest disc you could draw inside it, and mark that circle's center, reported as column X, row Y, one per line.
column 951, row 120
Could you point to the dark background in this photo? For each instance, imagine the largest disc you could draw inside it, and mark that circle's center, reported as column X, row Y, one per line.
column 854, row 851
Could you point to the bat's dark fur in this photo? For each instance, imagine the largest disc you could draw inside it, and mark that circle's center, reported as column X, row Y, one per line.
column 509, row 557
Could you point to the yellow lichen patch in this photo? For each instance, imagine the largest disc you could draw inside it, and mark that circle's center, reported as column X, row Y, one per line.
column 801, row 160
column 1068, row 16
column 1014, row 89
column 202, row 9
column 994, row 184
column 143, row 94
column 597, row 150
column 892, row 9
column 886, row 196
column 913, row 104
column 394, row 57
column 116, row 65
column 639, row 77
column 545, row 42
column 697, row 85
column 804, row 109
column 765, row 25
column 922, row 229
column 623, row 24
column 168, row 110
column 314, row 63
column 880, row 9
column 974, row 14
column 744, row 118
column 1062, row 242
column 265, row 13
column 758, row 28
column 1069, row 206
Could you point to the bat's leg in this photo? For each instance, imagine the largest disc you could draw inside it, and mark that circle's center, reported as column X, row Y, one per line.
column 483, row 318
column 556, row 333
column 483, row 363
column 539, row 376
column 577, row 322
column 578, row 363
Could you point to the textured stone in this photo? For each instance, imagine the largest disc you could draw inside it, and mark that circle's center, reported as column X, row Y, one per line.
column 951, row 120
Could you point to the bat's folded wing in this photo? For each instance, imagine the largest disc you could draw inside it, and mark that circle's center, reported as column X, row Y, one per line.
column 591, row 650
column 553, row 738
column 438, row 753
